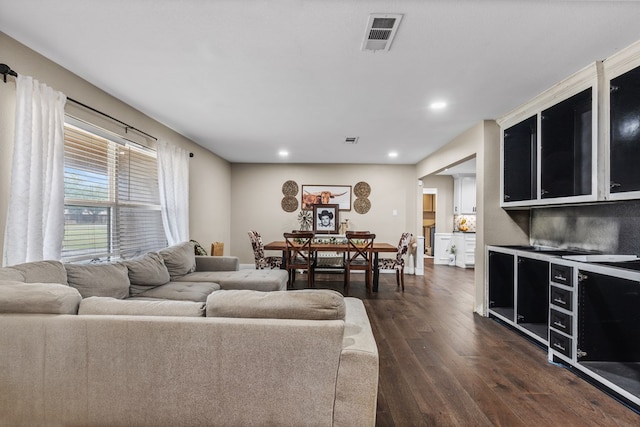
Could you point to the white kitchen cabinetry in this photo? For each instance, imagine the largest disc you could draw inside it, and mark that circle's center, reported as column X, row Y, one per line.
column 441, row 246
column 464, row 195
column 465, row 249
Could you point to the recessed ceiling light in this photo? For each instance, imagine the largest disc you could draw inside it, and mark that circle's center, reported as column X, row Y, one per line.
column 438, row 105
column 283, row 153
column 393, row 154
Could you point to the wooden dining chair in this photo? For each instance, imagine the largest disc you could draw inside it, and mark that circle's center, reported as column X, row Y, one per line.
column 397, row 263
column 359, row 256
column 299, row 256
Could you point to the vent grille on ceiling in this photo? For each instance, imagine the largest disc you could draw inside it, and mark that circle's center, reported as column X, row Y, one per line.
column 381, row 29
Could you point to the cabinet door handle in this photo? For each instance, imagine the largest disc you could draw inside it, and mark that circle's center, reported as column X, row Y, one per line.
column 614, row 185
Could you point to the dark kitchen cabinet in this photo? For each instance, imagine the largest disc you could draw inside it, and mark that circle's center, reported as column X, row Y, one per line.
column 533, row 296
column 550, row 146
column 565, row 147
column 520, row 161
column 609, row 329
column 501, row 284
column 625, row 132
column 519, row 292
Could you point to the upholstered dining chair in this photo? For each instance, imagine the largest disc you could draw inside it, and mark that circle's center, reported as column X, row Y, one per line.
column 262, row 261
column 359, row 256
column 397, row 263
column 299, row 255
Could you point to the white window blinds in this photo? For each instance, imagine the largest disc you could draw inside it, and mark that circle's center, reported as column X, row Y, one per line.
column 112, row 205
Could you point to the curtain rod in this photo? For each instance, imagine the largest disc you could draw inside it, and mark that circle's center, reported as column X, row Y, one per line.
column 6, row 70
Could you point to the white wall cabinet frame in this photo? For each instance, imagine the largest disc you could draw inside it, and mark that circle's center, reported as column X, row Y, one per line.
column 589, row 77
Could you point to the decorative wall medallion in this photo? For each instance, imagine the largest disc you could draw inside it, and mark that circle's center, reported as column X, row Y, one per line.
column 362, row 205
column 289, row 203
column 362, row 189
column 290, row 188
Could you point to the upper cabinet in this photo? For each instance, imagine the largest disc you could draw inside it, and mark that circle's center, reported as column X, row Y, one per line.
column 577, row 142
column 566, row 142
column 549, row 146
column 622, row 124
column 520, row 156
column 464, row 194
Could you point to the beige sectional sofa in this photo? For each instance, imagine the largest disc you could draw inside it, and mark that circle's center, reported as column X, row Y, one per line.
column 73, row 355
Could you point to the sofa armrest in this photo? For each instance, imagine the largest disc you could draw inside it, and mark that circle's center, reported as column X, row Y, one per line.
column 217, row 263
column 357, row 381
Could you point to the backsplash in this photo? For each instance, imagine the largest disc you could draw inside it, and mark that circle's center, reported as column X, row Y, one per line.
column 469, row 222
column 605, row 227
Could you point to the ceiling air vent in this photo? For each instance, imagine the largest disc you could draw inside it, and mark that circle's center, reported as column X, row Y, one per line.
column 351, row 140
column 381, row 29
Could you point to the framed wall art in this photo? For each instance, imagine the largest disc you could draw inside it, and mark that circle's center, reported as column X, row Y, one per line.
column 326, row 195
column 325, row 218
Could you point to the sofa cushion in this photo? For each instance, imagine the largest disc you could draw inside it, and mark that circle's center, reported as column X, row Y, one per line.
column 45, row 298
column 146, row 272
column 99, row 280
column 9, row 273
column 132, row 307
column 258, row 280
column 180, row 259
column 43, row 272
column 181, row 291
column 311, row 304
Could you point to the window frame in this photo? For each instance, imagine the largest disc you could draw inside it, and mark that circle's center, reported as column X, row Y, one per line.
column 117, row 208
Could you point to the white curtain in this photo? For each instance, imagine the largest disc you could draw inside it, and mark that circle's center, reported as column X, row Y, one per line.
column 173, row 179
column 35, row 218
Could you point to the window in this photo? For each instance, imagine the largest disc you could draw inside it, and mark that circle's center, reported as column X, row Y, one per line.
column 112, row 205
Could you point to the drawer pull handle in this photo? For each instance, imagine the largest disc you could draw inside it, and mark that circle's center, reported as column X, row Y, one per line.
column 560, row 325
column 560, row 301
column 560, row 277
column 557, row 345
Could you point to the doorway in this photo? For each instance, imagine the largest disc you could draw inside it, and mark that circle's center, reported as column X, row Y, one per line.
column 429, row 219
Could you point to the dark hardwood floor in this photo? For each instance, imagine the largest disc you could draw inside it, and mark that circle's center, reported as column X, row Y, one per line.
column 443, row 365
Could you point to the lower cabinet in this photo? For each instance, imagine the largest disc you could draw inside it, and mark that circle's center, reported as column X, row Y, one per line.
column 501, row 285
column 519, row 292
column 465, row 249
column 608, row 332
column 587, row 315
column 532, row 288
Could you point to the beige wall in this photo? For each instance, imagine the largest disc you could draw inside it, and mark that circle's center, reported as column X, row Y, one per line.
column 257, row 194
column 210, row 176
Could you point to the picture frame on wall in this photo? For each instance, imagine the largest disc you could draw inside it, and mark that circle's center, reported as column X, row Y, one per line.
column 325, row 218
column 326, row 195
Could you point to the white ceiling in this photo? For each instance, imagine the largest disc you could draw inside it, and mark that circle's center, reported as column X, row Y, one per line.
column 248, row 78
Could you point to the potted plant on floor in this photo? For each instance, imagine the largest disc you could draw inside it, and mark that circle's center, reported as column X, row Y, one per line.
column 452, row 255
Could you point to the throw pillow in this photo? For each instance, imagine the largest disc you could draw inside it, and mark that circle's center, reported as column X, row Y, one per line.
column 310, row 304
column 45, row 298
column 146, row 272
column 180, row 259
column 99, row 280
column 43, row 272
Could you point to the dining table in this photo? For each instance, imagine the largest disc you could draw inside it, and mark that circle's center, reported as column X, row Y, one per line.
column 378, row 247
